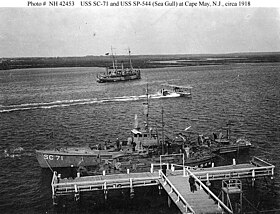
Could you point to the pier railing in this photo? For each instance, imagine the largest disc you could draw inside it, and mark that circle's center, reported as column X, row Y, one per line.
column 258, row 168
column 186, row 170
column 208, row 191
column 221, row 174
column 259, row 162
column 178, row 194
column 164, row 161
column 75, row 186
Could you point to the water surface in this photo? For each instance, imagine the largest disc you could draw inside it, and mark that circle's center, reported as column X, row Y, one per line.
column 69, row 103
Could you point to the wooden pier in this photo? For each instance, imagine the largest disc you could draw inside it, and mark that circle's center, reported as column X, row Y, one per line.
column 174, row 182
column 200, row 201
column 101, row 182
column 256, row 168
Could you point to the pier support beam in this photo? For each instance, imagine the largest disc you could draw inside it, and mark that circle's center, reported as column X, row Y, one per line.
column 77, row 194
column 54, row 200
column 168, row 201
column 159, row 189
column 105, row 191
column 131, row 188
column 230, row 188
column 152, row 168
column 253, row 177
column 207, row 182
column 131, row 194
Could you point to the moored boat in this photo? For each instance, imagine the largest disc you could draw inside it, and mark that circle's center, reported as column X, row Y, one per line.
column 224, row 144
column 142, row 149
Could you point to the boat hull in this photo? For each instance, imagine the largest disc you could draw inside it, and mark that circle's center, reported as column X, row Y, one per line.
column 201, row 162
column 136, row 163
column 53, row 159
column 226, row 146
column 104, row 79
column 56, row 159
column 233, row 148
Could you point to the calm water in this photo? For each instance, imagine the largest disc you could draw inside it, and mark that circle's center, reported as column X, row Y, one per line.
column 69, row 103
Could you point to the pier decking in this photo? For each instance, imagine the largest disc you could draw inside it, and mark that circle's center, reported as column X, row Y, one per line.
column 178, row 189
column 175, row 183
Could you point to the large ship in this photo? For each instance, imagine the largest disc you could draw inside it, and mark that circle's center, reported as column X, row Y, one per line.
column 116, row 74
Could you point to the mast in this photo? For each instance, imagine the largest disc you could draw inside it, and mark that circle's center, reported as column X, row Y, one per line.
column 229, row 124
column 114, row 63
column 147, row 101
column 130, row 59
column 146, row 109
column 162, row 133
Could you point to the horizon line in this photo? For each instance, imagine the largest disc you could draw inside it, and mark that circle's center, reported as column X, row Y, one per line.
column 173, row 54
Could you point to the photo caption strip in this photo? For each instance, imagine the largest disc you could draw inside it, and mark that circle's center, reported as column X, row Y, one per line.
column 139, row 3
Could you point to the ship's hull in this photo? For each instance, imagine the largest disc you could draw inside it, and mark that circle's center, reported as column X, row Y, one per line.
column 201, row 162
column 233, row 148
column 225, row 146
column 53, row 159
column 58, row 159
column 138, row 163
column 103, row 79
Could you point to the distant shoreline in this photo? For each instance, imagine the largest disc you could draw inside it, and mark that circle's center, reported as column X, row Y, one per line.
column 139, row 61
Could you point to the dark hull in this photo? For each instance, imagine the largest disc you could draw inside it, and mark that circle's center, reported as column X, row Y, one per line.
column 201, row 162
column 143, row 164
column 56, row 159
column 232, row 148
column 104, row 79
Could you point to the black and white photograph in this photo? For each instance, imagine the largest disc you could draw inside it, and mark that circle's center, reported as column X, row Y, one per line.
column 141, row 107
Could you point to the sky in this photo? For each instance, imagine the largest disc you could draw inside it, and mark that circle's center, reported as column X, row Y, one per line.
column 48, row 32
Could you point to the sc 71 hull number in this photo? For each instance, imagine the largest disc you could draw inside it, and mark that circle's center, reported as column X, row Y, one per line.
column 53, row 157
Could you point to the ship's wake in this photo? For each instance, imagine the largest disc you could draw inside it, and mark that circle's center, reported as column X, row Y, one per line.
column 67, row 103
column 14, row 152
